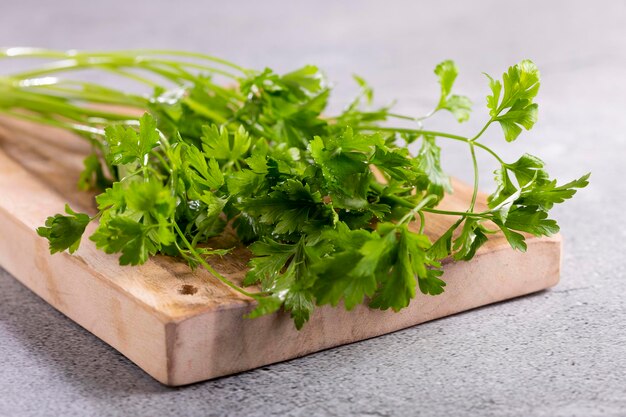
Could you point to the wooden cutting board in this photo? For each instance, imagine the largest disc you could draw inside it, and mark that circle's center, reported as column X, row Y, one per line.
column 184, row 326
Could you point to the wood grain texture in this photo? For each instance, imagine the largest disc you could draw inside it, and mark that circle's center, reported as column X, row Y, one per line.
column 184, row 326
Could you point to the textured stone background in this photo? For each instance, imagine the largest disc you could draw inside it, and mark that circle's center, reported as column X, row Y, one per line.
column 557, row 353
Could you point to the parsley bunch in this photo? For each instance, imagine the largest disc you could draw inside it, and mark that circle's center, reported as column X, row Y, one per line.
column 324, row 203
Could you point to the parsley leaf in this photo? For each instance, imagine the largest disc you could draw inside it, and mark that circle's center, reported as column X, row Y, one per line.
column 64, row 232
column 128, row 237
column 228, row 148
column 547, row 194
column 290, row 207
column 343, row 275
column 459, row 106
column 429, row 162
column 343, row 162
column 472, row 237
column 405, row 261
column 532, row 220
column 285, row 270
column 521, row 84
column 126, row 145
column 204, row 174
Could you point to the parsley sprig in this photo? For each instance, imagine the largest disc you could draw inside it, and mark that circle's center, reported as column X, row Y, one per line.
column 325, row 203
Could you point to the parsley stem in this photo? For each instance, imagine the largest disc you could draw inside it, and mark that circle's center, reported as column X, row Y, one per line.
column 205, row 111
column 163, row 161
column 485, row 148
column 76, row 128
column 409, row 130
column 433, row 133
column 68, row 90
column 418, row 120
column 422, row 222
column 96, row 216
column 400, row 116
column 479, row 134
column 208, row 267
column 455, row 213
column 49, row 104
column 378, row 188
column 178, row 64
column 417, row 208
column 55, row 54
column 475, row 167
column 191, row 55
column 116, row 59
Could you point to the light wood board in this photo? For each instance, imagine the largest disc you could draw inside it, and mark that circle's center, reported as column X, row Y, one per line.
column 184, row 326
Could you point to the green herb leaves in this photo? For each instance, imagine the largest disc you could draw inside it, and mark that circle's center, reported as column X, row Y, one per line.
column 523, row 205
column 291, row 207
column 220, row 144
column 284, row 270
column 343, row 162
column 428, row 161
column 386, row 265
column 126, row 145
column 322, row 201
column 136, row 221
column 402, row 262
column 459, row 106
column 64, row 232
column 521, row 84
column 128, row 237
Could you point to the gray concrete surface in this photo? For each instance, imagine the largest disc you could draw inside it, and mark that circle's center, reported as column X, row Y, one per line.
column 556, row 353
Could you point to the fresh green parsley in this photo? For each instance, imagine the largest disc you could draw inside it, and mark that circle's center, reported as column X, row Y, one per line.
column 322, row 201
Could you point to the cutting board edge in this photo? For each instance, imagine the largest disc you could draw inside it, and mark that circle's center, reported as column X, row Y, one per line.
column 87, row 299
